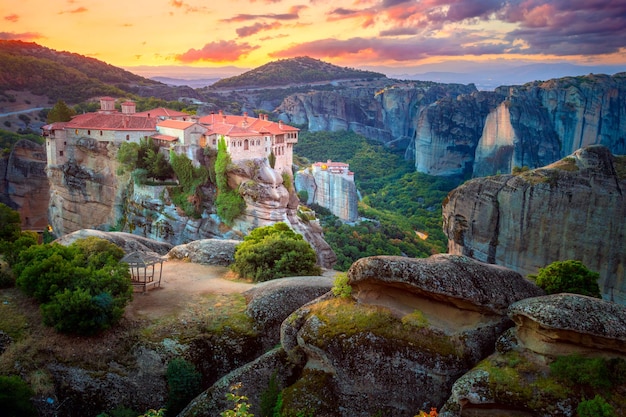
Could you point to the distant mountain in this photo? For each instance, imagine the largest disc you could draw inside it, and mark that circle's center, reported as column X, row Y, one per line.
column 298, row 70
column 195, row 83
column 26, row 66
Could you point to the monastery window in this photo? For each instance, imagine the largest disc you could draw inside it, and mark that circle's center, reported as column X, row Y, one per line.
column 214, row 142
column 60, row 153
column 89, row 132
column 76, row 132
column 127, row 137
column 101, row 133
column 245, row 145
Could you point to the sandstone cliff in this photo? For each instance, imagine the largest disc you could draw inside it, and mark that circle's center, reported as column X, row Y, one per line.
column 24, row 184
column 335, row 192
column 87, row 193
column 572, row 209
column 531, row 125
column 455, row 130
column 384, row 110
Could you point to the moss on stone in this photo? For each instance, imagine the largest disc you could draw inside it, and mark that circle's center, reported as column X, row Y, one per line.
column 311, row 395
column 343, row 317
column 620, row 166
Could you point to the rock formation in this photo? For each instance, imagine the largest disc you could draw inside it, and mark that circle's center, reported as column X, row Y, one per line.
column 127, row 241
column 455, row 130
column 413, row 327
column 24, row 184
column 572, row 209
column 516, row 379
column 86, row 192
column 206, row 251
column 384, row 110
column 335, row 191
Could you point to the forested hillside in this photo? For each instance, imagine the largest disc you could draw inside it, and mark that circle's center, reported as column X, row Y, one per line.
column 293, row 71
column 400, row 205
column 26, row 66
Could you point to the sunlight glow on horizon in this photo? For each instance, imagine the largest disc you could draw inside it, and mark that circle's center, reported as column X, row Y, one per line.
column 250, row 33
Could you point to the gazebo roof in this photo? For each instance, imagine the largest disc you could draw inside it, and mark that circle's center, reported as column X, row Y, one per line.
column 140, row 259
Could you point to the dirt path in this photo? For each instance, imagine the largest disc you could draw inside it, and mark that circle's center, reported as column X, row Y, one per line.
column 181, row 283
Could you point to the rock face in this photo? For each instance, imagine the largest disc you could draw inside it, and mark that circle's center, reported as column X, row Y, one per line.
column 24, row 184
column 531, row 125
column 127, row 241
column 335, row 192
column 516, row 379
column 383, row 110
column 455, row 130
column 573, row 209
column 86, row 193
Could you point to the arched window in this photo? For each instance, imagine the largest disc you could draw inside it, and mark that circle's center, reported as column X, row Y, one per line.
column 246, row 145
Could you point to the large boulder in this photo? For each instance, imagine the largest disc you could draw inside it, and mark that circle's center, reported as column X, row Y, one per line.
column 411, row 329
column 517, row 380
column 207, row 251
column 572, row 209
column 127, row 241
column 271, row 302
column 565, row 324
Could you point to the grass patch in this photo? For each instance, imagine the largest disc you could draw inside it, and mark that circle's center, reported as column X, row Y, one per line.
column 12, row 321
column 345, row 318
column 211, row 313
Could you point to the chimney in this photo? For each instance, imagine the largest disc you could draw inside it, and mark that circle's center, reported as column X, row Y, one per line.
column 280, row 124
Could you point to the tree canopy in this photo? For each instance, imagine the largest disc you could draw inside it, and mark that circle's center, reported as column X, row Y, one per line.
column 60, row 113
column 568, row 276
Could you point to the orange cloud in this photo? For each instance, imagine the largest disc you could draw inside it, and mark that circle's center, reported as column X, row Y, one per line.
column 12, row 18
column 222, row 51
column 77, row 10
column 256, row 28
column 26, row 36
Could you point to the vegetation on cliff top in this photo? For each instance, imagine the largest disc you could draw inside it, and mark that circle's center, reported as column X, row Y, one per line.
column 293, row 71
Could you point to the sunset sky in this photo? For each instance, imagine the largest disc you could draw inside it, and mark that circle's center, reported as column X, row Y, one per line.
column 354, row 33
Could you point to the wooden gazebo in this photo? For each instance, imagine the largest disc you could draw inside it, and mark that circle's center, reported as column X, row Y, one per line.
column 143, row 269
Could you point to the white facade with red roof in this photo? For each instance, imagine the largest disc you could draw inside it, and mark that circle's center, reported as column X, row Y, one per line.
column 250, row 137
column 246, row 137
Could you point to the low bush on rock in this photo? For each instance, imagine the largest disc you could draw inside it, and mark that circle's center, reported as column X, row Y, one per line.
column 274, row 252
column 184, row 383
column 83, row 288
column 568, row 276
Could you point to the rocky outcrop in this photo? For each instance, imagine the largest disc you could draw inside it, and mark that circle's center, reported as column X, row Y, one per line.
column 573, row 209
column 127, row 241
column 24, row 184
column 567, row 324
column 336, row 192
column 517, row 379
column 85, row 192
column 207, row 251
column 531, row 125
column 271, row 302
column 413, row 327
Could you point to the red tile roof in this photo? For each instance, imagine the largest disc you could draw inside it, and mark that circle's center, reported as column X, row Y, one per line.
column 230, row 125
column 165, row 137
column 162, row 112
column 176, row 124
column 114, row 121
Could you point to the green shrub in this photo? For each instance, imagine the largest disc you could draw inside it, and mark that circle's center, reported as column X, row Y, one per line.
column 229, row 203
column 303, row 195
column 274, row 252
column 15, row 395
column 597, row 407
column 576, row 369
column 184, row 383
column 341, row 287
column 568, row 276
column 82, row 288
column 10, row 223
